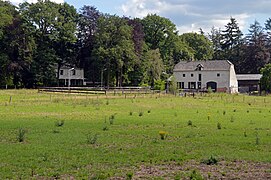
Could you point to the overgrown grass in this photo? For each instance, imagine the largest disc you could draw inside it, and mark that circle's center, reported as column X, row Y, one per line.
column 71, row 151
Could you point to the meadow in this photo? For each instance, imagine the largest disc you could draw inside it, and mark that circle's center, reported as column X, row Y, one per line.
column 73, row 136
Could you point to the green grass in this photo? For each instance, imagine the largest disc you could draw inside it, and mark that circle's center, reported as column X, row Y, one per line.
column 50, row 151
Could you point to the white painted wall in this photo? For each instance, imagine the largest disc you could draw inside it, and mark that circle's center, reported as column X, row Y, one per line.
column 223, row 81
column 233, row 81
column 79, row 74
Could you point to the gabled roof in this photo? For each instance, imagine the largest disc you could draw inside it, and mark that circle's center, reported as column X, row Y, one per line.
column 206, row 65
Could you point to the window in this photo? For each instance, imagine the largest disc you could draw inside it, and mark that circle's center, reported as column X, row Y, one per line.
column 61, row 72
column 199, row 85
column 181, row 85
column 73, row 72
column 218, row 75
column 199, row 77
column 191, row 85
column 192, row 75
column 183, row 75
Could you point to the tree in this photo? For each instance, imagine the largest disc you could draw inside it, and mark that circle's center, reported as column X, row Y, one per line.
column 161, row 33
column 266, row 78
column 114, row 48
column 216, row 37
column 153, row 67
column 87, row 27
column 201, row 46
column 256, row 54
column 54, row 27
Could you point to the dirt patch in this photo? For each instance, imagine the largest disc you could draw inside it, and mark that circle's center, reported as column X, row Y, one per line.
column 221, row 170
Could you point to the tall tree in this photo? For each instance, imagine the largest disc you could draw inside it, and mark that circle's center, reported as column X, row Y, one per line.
column 256, row 54
column 232, row 43
column 216, row 37
column 54, row 27
column 87, row 27
column 201, row 46
column 161, row 33
column 114, row 48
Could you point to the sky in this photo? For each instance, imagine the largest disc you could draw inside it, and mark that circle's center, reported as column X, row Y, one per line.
column 187, row 15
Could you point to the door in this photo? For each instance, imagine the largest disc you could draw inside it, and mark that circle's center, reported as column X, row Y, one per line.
column 212, row 85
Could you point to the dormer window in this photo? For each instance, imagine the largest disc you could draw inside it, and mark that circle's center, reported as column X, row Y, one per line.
column 199, row 67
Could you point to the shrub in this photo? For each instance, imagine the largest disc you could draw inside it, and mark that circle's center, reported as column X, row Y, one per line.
column 210, row 161
column 59, row 123
column 189, row 123
column 92, row 139
column 224, row 112
column 111, row 119
column 218, row 126
column 140, row 113
column 129, row 175
column 195, row 175
column 149, row 111
column 21, row 135
column 131, row 113
column 105, row 128
column 163, row 134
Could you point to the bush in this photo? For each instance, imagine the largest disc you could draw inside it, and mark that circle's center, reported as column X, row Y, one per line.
column 210, row 161
column 59, row 123
column 140, row 113
column 195, row 175
column 159, row 85
column 163, row 134
column 21, row 135
column 218, row 126
column 92, row 139
column 189, row 123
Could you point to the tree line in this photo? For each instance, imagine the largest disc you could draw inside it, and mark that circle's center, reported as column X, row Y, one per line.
column 36, row 39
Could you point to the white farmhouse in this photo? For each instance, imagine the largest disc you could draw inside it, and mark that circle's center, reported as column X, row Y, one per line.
column 200, row 75
column 69, row 76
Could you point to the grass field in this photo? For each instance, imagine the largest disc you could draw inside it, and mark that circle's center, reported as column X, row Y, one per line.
column 88, row 136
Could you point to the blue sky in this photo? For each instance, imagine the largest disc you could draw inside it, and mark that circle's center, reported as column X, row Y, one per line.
column 188, row 15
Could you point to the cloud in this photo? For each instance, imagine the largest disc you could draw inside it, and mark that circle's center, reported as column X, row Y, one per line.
column 190, row 15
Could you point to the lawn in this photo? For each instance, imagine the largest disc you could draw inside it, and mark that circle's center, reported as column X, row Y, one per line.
column 93, row 136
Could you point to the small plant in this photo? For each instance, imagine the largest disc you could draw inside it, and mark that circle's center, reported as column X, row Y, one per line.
column 92, row 139
column 232, row 119
column 149, row 111
column 257, row 139
column 224, row 112
column 131, row 113
column 245, row 134
column 21, row 135
column 140, row 113
column 105, row 128
column 111, row 119
column 209, row 117
column 59, row 123
column 55, row 131
column 218, row 126
column 189, row 123
column 129, row 175
column 163, row 134
column 247, row 111
column 107, row 102
column 210, row 161
column 195, row 175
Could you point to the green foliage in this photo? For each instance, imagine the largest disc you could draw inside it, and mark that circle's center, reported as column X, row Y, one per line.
column 195, row 175
column 21, row 135
column 189, row 123
column 266, row 78
column 218, row 125
column 201, row 45
column 210, row 161
column 92, row 139
column 59, row 123
column 159, row 85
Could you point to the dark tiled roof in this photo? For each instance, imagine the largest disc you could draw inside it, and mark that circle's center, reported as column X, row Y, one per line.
column 207, row 65
column 247, row 77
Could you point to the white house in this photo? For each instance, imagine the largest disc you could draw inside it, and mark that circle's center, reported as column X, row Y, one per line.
column 71, row 76
column 200, row 75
